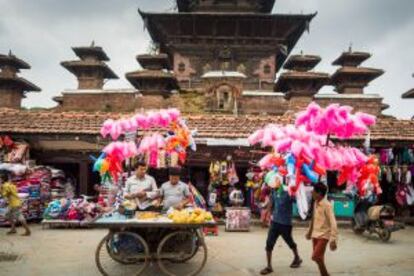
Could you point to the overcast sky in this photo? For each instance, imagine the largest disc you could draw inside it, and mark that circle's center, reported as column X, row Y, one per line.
column 41, row 32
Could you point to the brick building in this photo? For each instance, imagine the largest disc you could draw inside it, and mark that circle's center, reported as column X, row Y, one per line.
column 215, row 65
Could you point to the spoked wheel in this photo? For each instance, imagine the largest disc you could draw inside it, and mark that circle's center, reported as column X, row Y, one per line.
column 122, row 253
column 182, row 253
column 384, row 235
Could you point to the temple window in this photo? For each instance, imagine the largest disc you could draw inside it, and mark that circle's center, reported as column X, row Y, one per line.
column 223, row 98
column 181, row 67
column 267, row 69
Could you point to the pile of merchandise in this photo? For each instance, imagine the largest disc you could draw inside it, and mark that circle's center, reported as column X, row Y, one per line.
column 11, row 151
column 71, row 209
column 238, row 219
column 254, row 186
column 223, row 178
column 35, row 187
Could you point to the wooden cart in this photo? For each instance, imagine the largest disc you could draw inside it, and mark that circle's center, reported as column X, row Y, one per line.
column 131, row 245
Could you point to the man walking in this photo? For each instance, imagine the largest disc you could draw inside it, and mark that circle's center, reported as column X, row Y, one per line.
column 281, row 205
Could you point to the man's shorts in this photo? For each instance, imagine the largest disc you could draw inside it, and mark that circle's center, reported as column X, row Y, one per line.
column 276, row 230
column 14, row 214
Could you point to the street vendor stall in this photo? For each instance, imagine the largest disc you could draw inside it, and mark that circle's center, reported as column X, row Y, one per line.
column 174, row 238
column 132, row 243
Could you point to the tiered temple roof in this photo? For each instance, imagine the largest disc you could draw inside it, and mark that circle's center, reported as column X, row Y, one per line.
column 91, row 70
column 264, row 33
column 409, row 94
column 350, row 78
column 262, row 6
column 155, row 78
column 299, row 80
column 13, row 87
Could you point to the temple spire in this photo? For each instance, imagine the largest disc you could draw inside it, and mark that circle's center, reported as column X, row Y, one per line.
column 12, row 87
column 351, row 78
column 91, row 70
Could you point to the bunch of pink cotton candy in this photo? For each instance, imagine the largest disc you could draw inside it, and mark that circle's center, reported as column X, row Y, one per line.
column 334, row 119
column 306, row 144
column 151, row 143
column 288, row 139
column 152, row 119
column 336, row 158
column 122, row 150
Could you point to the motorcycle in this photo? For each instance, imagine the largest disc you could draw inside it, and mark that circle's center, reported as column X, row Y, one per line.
column 378, row 219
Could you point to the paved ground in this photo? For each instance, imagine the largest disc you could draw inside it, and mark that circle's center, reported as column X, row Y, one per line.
column 71, row 252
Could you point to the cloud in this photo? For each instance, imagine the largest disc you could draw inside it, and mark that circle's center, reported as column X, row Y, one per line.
column 42, row 32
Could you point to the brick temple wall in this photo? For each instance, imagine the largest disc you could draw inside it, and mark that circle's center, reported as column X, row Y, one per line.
column 10, row 98
column 263, row 105
column 100, row 102
column 368, row 105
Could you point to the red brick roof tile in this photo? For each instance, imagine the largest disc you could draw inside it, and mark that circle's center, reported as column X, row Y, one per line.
column 208, row 125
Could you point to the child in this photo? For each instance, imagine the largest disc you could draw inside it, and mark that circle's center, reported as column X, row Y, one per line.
column 323, row 227
column 9, row 192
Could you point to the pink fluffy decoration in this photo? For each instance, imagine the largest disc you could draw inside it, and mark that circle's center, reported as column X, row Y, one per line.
column 122, row 150
column 151, row 143
column 308, row 138
column 152, row 119
column 334, row 119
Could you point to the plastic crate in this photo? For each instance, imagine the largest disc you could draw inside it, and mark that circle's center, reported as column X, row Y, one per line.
column 343, row 206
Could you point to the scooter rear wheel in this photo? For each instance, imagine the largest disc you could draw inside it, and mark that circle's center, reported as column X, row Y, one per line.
column 385, row 235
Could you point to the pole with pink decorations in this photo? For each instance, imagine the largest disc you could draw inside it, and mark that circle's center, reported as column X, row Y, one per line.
column 162, row 132
column 304, row 151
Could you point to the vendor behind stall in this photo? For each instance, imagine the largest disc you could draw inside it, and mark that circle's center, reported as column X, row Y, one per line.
column 174, row 192
column 141, row 187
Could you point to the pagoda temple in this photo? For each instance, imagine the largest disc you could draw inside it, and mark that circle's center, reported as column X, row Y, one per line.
column 13, row 87
column 217, row 62
column 239, row 35
column 92, row 72
column 299, row 84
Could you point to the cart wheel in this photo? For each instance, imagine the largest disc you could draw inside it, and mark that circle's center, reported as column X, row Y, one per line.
column 122, row 253
column 182, row 253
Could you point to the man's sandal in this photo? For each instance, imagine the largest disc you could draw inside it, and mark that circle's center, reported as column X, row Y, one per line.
column 266, row 271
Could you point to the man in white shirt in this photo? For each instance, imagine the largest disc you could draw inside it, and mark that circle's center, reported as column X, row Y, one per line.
column 141, row 187
column 175, row 193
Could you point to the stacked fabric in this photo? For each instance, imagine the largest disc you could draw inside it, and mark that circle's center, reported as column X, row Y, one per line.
column 36, row 188
column 71, row 209
column 3, row 210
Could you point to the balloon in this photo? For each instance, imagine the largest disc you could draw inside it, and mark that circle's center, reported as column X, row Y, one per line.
column 290, row 164
column 270, row 177
column 311, row 175
column 318, row 169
